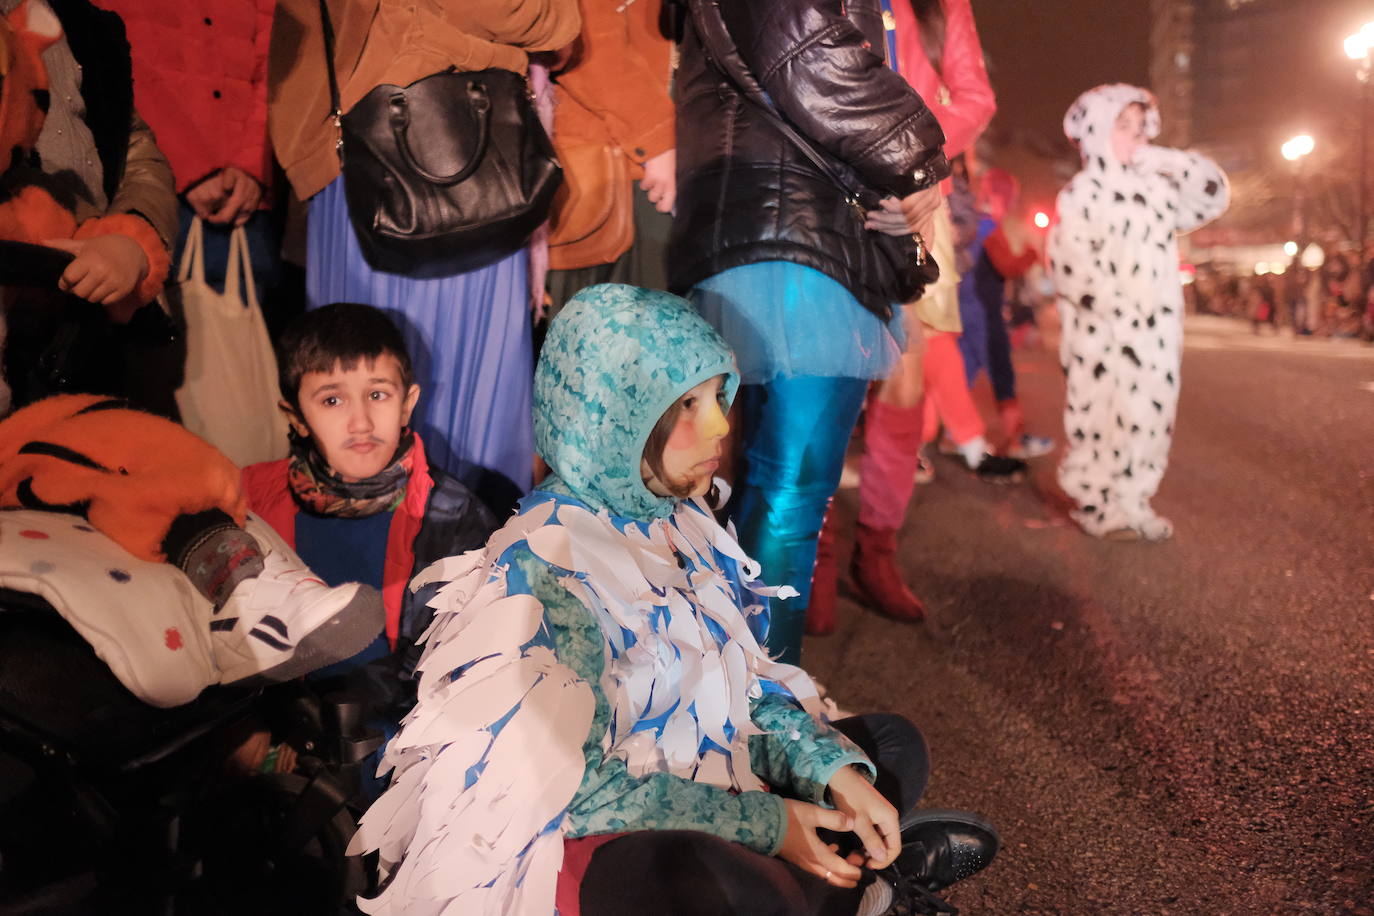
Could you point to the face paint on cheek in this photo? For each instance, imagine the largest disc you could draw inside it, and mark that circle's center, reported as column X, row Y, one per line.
column 684, row 434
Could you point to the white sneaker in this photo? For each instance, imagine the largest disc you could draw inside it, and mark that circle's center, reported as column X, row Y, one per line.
column 1155, row 528
column 285, row 622
column 1029, row 446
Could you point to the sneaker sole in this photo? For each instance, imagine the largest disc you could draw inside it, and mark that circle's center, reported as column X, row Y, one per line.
column 343, row 635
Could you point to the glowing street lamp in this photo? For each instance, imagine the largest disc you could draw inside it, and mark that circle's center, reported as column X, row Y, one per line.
column 1290, row 248
column 1042, row 219
column 1358, row 48
column 1296, row 147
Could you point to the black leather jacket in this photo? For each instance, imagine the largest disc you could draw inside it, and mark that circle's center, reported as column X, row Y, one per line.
column 745, row 193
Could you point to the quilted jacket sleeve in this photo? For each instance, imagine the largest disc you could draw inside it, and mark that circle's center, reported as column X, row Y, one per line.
column 146, row 187
column 829, row 82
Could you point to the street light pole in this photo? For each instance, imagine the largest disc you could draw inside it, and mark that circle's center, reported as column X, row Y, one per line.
column 1359, row 47
column 1362, row 229
column 1295, row 150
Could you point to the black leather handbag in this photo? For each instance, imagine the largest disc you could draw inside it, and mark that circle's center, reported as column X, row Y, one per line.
column 448, row 174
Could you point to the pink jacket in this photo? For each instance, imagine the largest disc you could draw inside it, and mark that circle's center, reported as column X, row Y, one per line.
column 967, row 104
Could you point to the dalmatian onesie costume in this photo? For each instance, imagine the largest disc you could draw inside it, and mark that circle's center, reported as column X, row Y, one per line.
column 1114, row 261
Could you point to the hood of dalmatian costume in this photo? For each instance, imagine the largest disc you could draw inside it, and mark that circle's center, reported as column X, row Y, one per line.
column 1114, row 248
column 1090, row 119
column 487, row 763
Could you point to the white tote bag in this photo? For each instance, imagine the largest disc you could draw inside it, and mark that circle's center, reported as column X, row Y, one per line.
column 230, row 394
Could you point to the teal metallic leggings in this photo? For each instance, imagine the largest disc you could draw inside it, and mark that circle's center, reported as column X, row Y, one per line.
column 796, row 431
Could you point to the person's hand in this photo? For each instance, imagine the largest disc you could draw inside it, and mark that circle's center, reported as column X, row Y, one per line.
column 875, row 820
column 804, row 849
column 248, row 757
column 660, row 180
column 107, row 268
column 912, row 214
column 230, row 195
column 1160, row 159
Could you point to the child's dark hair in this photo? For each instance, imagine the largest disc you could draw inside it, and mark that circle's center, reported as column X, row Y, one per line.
column 343, row 333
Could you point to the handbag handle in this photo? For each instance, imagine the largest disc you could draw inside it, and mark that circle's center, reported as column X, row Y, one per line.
column 400, row 124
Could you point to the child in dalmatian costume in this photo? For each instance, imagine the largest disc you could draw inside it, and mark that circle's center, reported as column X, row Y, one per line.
column 1114, row 261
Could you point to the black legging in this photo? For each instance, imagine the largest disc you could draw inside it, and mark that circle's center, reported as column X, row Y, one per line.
column 689, row 873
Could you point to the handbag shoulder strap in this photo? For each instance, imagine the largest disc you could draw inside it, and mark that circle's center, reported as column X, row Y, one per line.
column 335, row 106
column 711, row 28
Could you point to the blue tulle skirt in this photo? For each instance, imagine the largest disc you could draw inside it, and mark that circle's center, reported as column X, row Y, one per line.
column 785, row 320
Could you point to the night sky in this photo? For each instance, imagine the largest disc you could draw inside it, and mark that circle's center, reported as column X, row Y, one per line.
column 1043, row 53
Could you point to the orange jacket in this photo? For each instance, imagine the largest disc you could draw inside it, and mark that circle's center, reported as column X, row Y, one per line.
column 616, row 88
column 392, row 42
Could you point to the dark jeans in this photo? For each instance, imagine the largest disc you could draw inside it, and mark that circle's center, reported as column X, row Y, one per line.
column 689, row 873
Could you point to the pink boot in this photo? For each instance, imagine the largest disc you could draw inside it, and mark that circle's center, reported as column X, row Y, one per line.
column 874, row 571
column 892, row 441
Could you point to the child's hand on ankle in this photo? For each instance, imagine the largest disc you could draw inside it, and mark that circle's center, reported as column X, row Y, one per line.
column 804, row 849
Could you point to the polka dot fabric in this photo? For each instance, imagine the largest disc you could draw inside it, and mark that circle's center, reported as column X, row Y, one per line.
column 143, row 619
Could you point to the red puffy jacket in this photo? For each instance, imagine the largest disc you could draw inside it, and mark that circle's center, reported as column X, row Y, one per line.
column 200, row 81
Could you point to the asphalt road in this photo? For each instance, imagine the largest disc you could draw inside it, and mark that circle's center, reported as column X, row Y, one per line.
column 1155, row 729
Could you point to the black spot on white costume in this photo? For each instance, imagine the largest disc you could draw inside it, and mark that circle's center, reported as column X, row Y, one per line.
column 1123, row 368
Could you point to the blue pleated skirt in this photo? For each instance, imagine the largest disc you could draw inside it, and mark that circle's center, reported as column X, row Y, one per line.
column 469, row 338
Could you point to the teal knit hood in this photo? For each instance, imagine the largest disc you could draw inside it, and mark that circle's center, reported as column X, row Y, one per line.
column 615, row 359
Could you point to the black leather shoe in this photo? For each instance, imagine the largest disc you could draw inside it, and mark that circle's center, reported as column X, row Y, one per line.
column 939, row 847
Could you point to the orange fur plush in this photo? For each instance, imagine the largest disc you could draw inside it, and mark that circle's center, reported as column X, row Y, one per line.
column 28, row 213
column 128, row 473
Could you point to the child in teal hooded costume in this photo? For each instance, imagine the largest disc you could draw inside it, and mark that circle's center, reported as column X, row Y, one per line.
column 593, row 681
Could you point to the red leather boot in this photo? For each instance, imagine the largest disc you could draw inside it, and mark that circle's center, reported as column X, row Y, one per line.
column 825, row 581
column 874, row 571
